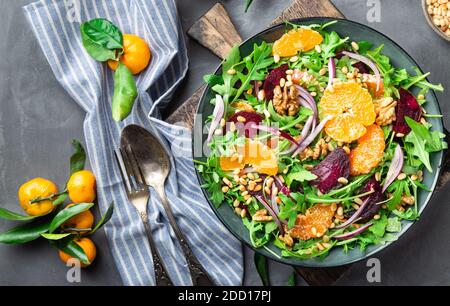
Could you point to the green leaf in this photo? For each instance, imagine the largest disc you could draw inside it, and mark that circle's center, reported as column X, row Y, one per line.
column 78, row 158
column 261, row 267
column 102, row 39
column 301, row 175
column 125, row 92
column 10, row 215
column 106, row 217
column 247, row 4
column 410, row 214
column 393, row 225
column 331, row 42
column 55, row 236
column 292, row 281
column 382, row 61
column 256, row 65
column 288, row 210
column 24, row 233
column 423, row 142
column 71, row 248
column 60, row 199
column 379, row 226
column 399, row 187
column 364, row 46
column 68, row 213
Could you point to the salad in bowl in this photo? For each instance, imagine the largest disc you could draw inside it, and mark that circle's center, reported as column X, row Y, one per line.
column 317, row 142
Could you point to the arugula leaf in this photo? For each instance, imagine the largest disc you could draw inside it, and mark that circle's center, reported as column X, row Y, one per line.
column 226, row 88
column 256, row 67
column 255, row 229
column 393, row 225
column 288, row 210
column 379, row 226
column 423, row 142
column 331, row 41
column 364, row 46
column 301, row 175
column 397, row 188
column 382, row 61
column 410, row 214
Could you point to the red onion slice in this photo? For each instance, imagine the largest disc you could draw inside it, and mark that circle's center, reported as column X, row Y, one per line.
column 271, row 212
column 395, row 168
column 355, row 216
column 303, row 93
column 217, row 116
column 331, row 71
column 368, row 62
column 273, row 199
column 311, row 136
column 353, row 233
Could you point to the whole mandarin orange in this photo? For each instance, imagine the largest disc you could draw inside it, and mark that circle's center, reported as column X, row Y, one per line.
column 81, row 187
column 136, row 54
column 88, row 247
column 34, row 189
column 83, row 220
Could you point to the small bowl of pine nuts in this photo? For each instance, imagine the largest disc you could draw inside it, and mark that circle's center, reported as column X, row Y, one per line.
column 437, row 13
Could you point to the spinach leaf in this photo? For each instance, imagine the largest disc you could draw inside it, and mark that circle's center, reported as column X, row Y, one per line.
column 261, row 267
column 78, row 159
column 102, row 39
column 300, row 175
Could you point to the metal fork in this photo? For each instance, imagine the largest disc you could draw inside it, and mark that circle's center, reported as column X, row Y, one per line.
column 138, row 194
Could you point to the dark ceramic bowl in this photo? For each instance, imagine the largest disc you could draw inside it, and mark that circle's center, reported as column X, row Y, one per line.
column 399, row 58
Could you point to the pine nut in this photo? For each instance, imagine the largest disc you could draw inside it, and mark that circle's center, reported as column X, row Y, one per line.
column 344, row 70
column 376, row 217
column 293, row 59
column 289, row 72
column 241, row 119
column 231, row 71
column 401, row 176
column 276, row 58
column 236, row 203
column 377, row 176
column 343, row 180
column 318, row 49
column 261, row 95
column 282, row 82
column 355, row 46
column 225, row 189
column 340, row 211
column 322, row 71
column 358, row 201
column 243, row 213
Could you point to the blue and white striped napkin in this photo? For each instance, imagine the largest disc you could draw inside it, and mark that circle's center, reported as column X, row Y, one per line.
column 56, row 25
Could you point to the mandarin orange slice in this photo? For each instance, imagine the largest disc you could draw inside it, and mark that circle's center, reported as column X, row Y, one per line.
column 369, row 152
column 296, row 40
column 351, row 108
column 314, row 223
column 255, row 154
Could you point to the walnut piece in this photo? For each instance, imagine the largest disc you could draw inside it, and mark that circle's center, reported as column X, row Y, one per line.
column 285, row 100
column 320, row 149
column 385, row 110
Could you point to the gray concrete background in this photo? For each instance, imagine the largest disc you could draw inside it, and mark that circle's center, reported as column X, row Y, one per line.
column 38, row 120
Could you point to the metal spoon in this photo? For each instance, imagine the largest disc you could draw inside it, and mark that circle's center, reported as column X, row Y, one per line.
column 155, row 165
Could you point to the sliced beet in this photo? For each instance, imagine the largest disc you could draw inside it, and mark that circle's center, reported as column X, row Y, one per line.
column 329, row 170
column 273, row 79
column 406, row 106
column 377, row 196
column 362, row 68
column 250, row 119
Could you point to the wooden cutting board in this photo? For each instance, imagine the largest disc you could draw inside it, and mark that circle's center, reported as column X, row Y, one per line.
column 207, row 31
